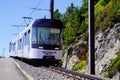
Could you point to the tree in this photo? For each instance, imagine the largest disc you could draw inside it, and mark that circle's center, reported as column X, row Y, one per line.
column 57, row 15
column 95, row 1
column 70, row 9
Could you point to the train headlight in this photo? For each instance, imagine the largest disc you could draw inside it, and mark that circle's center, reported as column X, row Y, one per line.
column 40, row 47
column 56, row 48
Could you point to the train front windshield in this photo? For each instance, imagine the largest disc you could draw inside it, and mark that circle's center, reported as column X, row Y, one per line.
column 44, row 37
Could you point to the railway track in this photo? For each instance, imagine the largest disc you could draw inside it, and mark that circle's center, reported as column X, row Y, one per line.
column 72, row 75
column 54, row 73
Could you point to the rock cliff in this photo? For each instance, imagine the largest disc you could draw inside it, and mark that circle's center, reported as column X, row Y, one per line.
column 78, row 54
column 107, row 45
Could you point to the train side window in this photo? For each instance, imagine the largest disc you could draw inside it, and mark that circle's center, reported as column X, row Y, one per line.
column 28, row 31
column 25, row 38
column 28, row 37
column 34, row 35
column 25, row 34
column 13, row 46
column 20, row 44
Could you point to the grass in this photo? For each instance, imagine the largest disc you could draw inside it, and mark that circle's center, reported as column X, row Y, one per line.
column 114, row 66
column 80, row 66
column 106, row 14
column 63, row 52
column 118, row 37
column 99, row 7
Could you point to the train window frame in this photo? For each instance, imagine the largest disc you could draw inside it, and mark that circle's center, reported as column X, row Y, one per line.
column 13, row 46
column 28, row 37
column 20, row 44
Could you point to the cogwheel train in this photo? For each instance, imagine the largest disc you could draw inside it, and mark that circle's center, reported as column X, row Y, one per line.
column 42, row 39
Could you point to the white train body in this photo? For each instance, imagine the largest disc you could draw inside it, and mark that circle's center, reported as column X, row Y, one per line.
column 41, row 39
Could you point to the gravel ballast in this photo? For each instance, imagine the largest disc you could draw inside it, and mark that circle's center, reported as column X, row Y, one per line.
column 39, row 73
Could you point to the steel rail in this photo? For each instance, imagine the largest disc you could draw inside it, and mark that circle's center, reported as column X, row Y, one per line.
column 72, row 74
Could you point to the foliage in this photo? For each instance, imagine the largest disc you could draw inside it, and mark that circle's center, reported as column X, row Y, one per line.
column 70, row 56
column 85, row 36
column 75, row 20
column 118, row 36
column 99, row 7
column 95, row 1
column 114, row 66
column 57, row 15
column 80, row 66
column 69, row 34
column 84, row 7
column 104, row 18
column 70, row 10
column 64, row 51
column 107, row 14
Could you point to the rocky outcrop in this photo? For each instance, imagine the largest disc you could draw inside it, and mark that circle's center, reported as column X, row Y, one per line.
column 78, row 53
column 106, row 47
column 116, row 76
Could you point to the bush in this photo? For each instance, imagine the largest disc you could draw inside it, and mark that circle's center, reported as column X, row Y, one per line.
column 63, row 52
column 106, row 16
column 69, row 35
column 80, row 66
column 118, row 36
column 114, row 66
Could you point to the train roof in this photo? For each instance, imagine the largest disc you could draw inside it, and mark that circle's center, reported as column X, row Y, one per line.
column 48, row 23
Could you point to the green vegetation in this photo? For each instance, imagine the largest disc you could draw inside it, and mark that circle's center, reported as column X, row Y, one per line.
column 99, row 7
column 70, row 56
column 118, row 36
column 107, row 13
column 57, row 15
column 80, row 66
column 114, row 66
column 63, row 52
column 75, row 20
